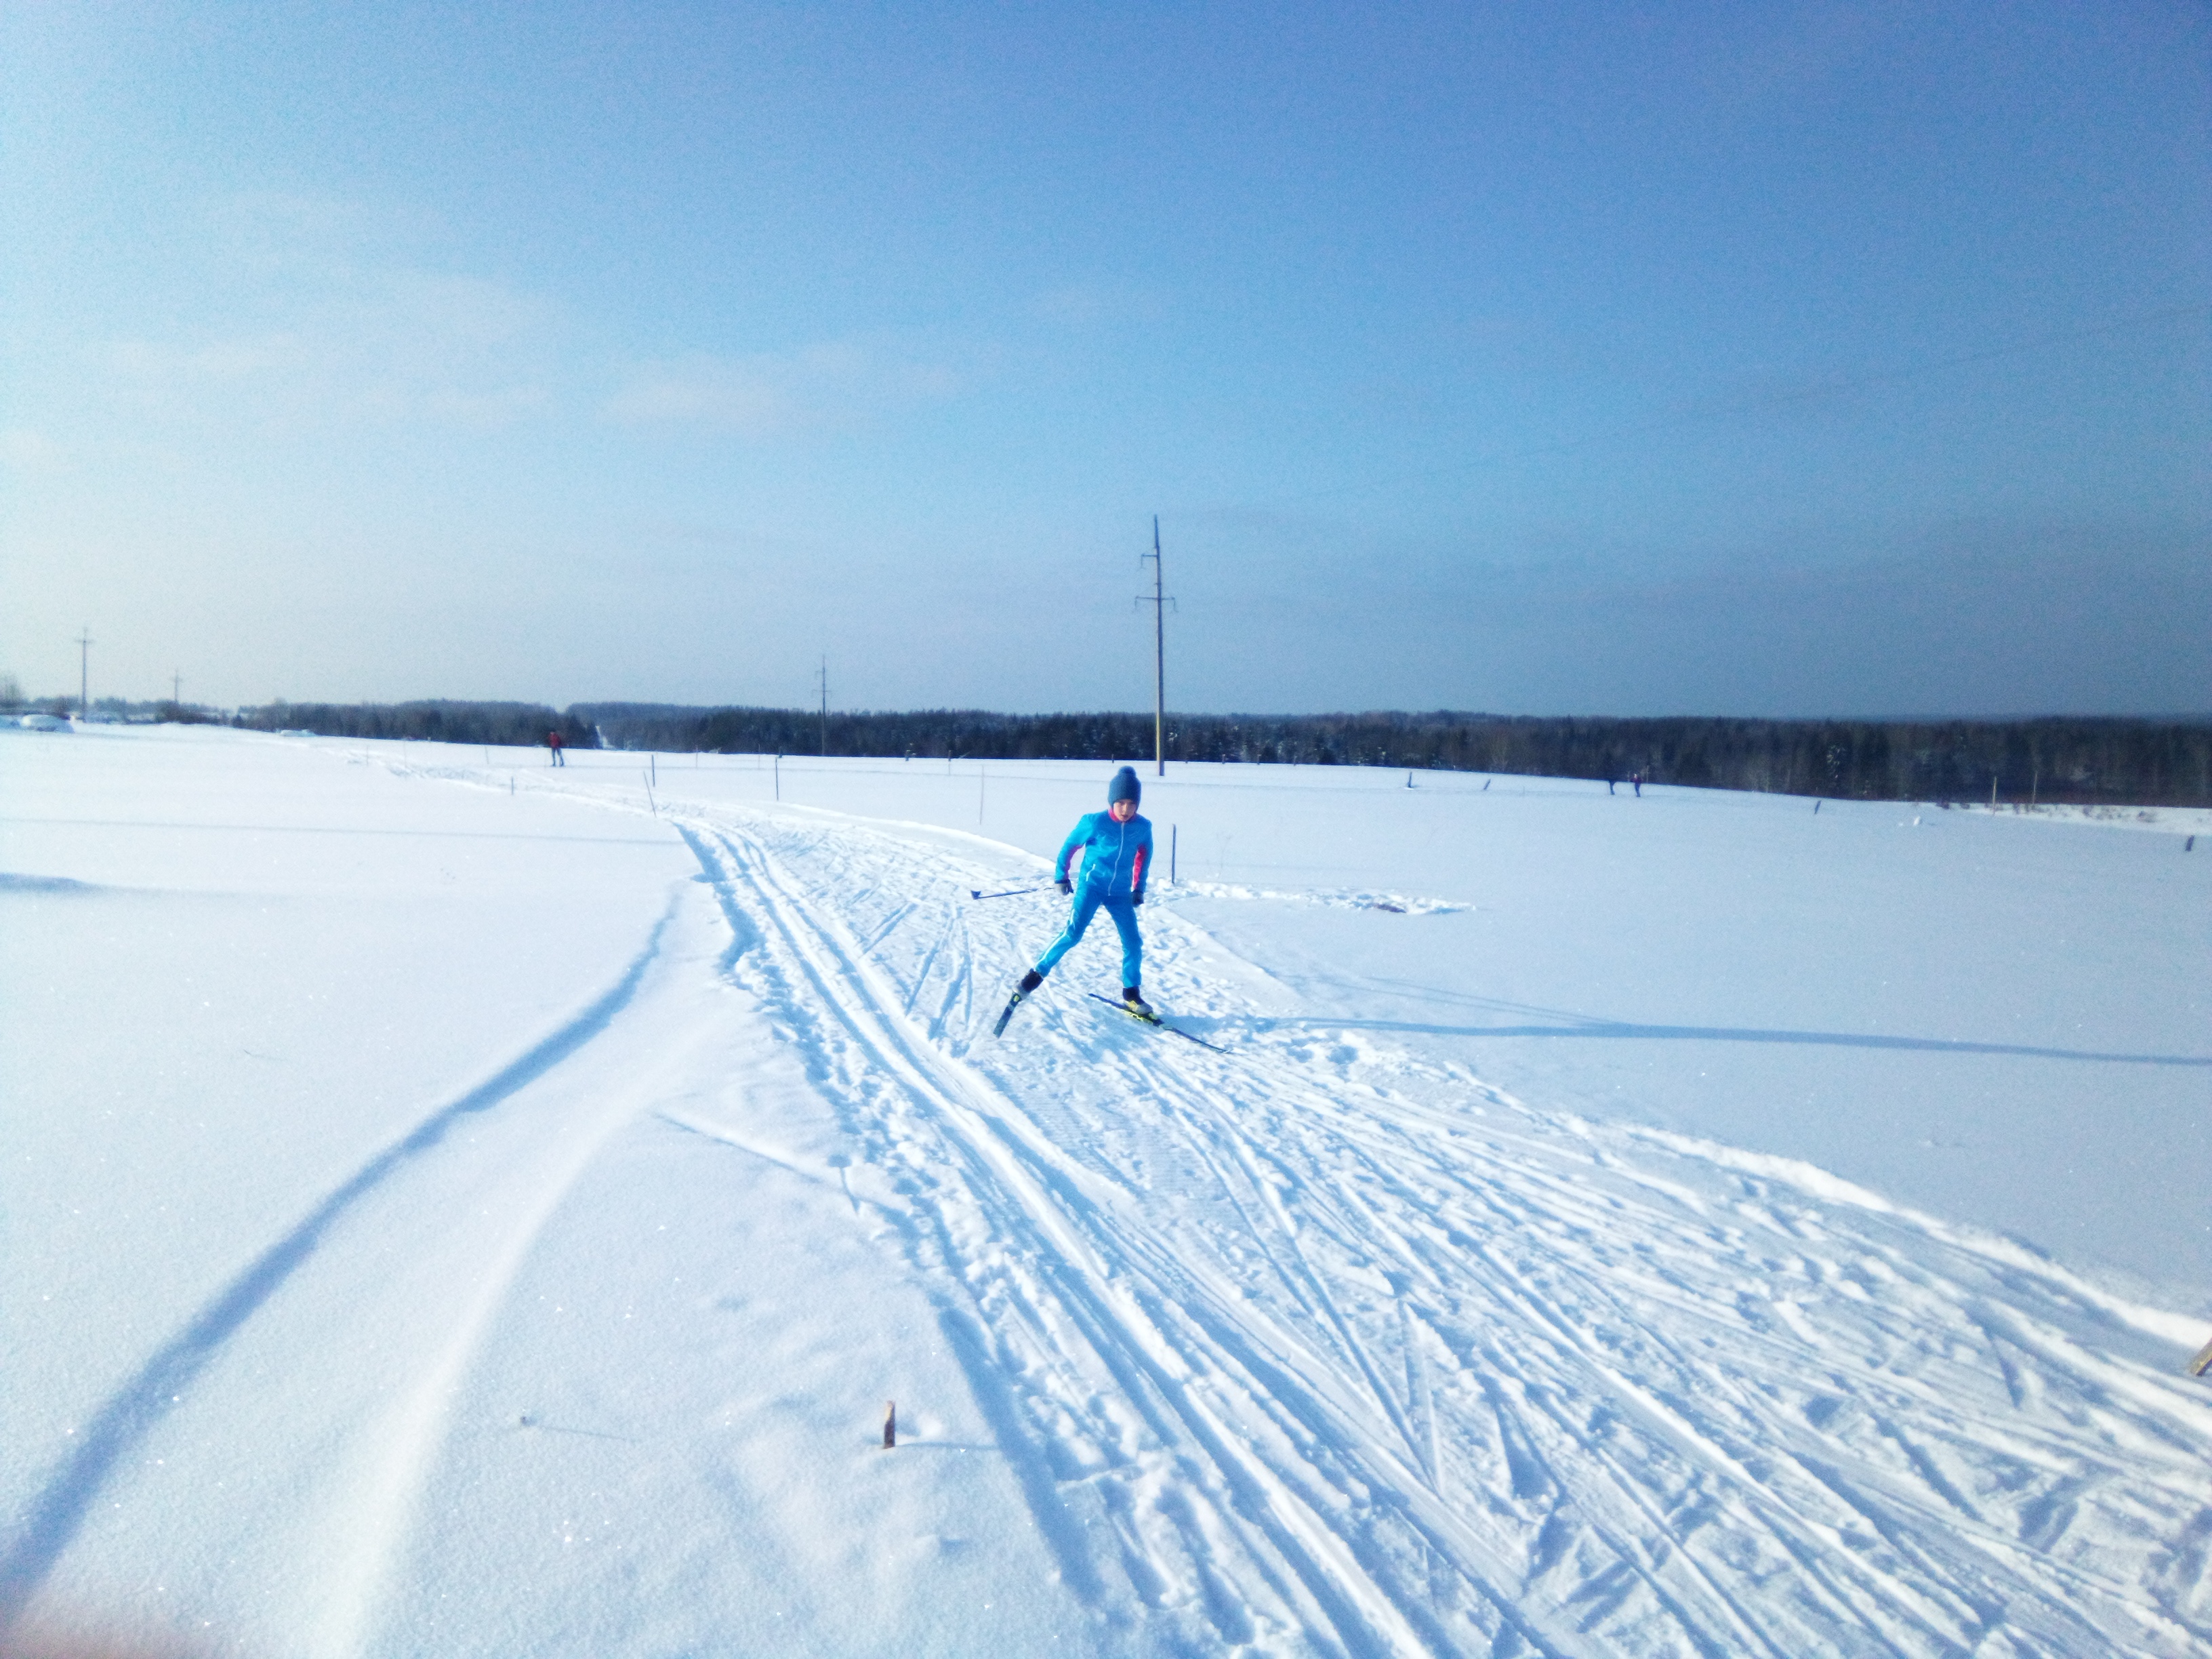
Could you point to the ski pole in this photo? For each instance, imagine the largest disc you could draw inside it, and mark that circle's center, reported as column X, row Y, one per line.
column 978, row 893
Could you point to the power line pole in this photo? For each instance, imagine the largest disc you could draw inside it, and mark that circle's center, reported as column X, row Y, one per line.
column 84, row 672
column 1159, row 602
column 825, row 677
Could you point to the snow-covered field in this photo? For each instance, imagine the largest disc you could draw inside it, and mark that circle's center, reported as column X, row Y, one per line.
column 456, row 1206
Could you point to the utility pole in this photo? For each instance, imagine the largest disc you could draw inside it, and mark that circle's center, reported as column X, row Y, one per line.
column 825, row 677
column 84, row 672
column 1159, row 602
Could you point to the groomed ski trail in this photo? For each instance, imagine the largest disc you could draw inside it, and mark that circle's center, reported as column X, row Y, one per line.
column 1043, row 1247
column 1325, row 1349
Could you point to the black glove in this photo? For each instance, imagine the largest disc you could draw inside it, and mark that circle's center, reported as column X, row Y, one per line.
column 1137, row 898
column 1065, row 886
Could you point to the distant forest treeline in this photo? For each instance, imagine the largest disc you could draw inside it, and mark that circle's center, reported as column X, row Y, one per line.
column 2061, row 758
column 434, row 720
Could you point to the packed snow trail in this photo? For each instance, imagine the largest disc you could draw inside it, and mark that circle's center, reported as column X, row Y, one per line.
column 1311, row 1347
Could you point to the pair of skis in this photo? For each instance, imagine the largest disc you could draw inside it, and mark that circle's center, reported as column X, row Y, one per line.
column 1156, row 1022
column 999, row 1027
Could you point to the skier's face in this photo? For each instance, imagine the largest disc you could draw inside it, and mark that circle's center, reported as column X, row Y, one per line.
column 1123, row 810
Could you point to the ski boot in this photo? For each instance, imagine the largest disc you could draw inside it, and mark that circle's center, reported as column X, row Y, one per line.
column 1031, row 980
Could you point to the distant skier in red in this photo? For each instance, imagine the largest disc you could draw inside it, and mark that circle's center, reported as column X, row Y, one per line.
column 556, row 742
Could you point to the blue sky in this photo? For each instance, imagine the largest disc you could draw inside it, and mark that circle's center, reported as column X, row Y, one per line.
column 1761, row 359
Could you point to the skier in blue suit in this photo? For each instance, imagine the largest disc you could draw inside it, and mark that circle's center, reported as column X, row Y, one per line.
column 1117, row 851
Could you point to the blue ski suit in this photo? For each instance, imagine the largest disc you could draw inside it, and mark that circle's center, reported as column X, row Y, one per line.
column 1115, row 857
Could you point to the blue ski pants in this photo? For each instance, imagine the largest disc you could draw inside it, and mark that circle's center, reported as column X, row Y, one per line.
column 1088, row 899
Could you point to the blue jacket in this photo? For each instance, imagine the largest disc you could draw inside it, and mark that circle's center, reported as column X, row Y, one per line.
column 1117, row 854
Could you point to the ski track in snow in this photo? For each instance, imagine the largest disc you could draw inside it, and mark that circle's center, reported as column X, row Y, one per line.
column 136, row 1412
column 1312, row 1347
column 1319, row 1347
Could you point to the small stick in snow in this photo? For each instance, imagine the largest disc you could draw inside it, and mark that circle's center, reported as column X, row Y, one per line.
column 890, row 1422
column 2203, row 1363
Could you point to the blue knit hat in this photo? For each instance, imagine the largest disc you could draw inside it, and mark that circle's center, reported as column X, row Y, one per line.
column 1125, row 786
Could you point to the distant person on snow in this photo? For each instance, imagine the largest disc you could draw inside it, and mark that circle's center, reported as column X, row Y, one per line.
column 553, row 741
column 1117, row 850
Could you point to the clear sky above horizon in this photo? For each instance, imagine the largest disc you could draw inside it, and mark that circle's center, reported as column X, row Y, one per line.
column 1759, row 359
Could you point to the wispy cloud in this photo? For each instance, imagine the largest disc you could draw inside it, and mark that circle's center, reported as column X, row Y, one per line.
column 315, row 315
column 25, row 450
column 826, row 386
column 1092, row 304
column 304, row 322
